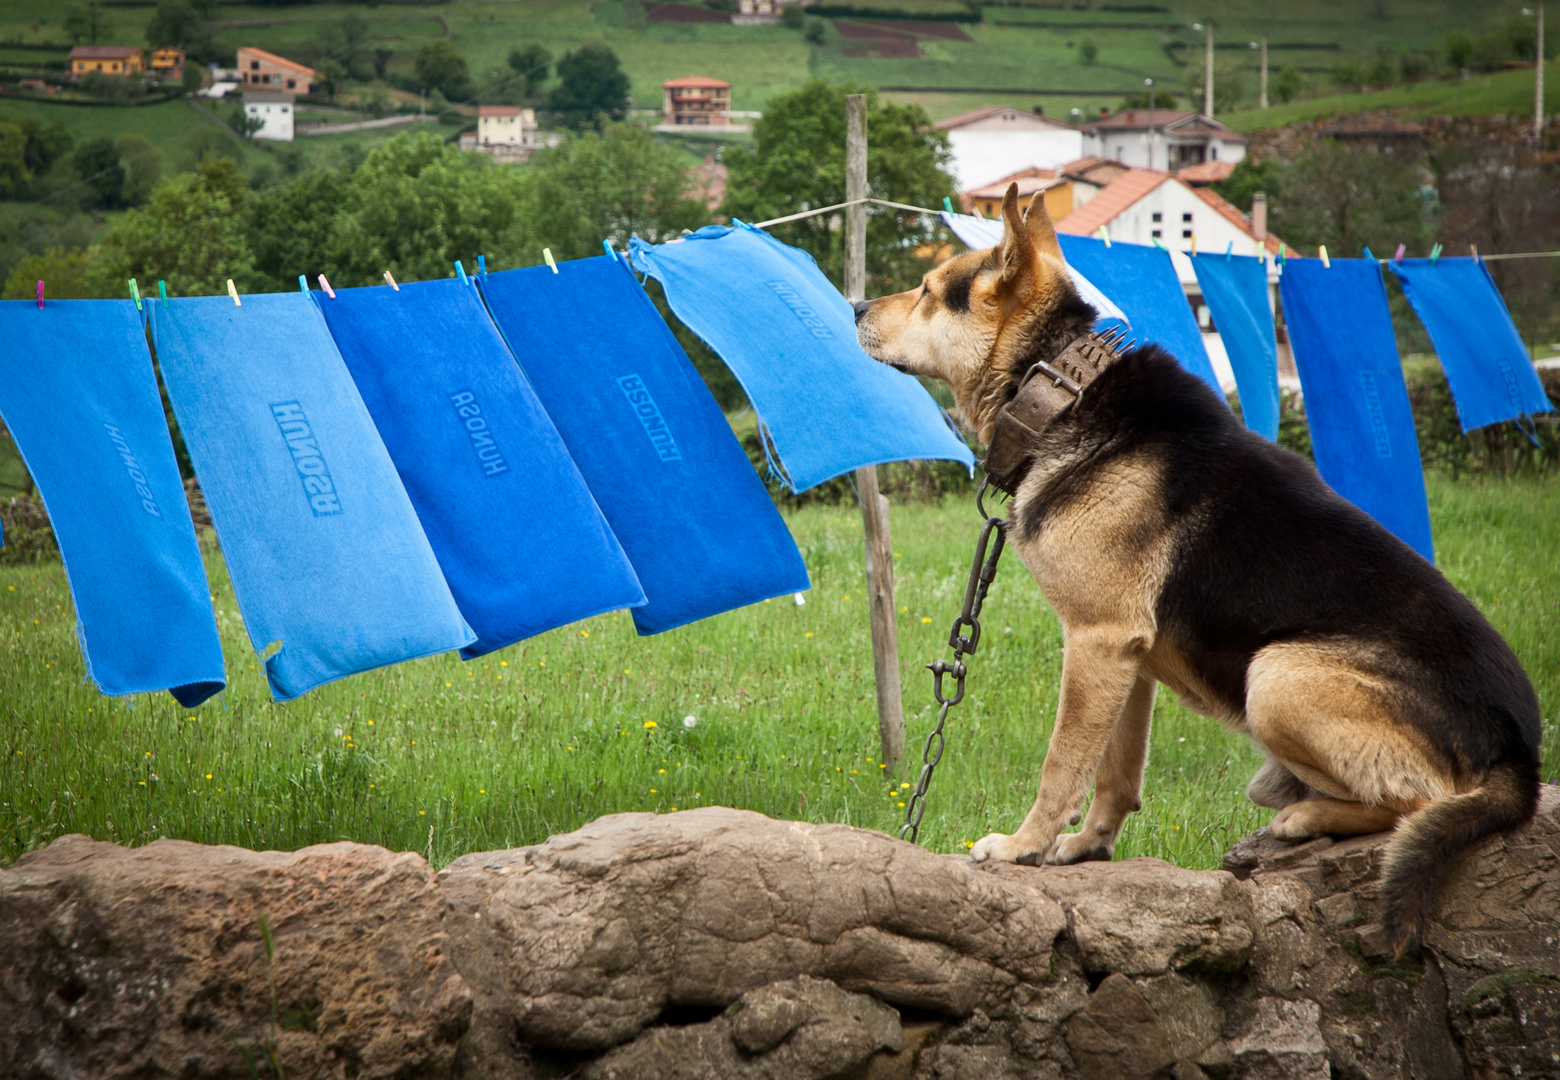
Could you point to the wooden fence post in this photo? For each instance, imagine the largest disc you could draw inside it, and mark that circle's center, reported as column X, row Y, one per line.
column 874, row 506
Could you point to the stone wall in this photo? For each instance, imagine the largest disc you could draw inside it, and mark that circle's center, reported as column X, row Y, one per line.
column 720, row 943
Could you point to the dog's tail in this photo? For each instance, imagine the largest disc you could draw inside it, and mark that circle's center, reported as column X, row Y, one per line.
column 1427, row 839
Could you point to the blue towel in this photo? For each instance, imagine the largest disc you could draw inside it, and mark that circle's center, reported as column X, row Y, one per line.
column 1362, row 431
column 78, row 395
column 1236, row 289
column 504, row 507
column 1143, row 281
column 790, row 339
column 979, row 233
column 1486, row 364
column 676, row 487
column 326, row 555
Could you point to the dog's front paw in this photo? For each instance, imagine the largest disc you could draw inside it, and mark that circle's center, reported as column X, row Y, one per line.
column 1293, row 824
column 1013, row 849
column 1087, row 846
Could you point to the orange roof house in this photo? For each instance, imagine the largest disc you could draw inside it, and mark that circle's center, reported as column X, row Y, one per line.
column 168, row 63
column 106, row 59
column 256, row 67
column 696, row 100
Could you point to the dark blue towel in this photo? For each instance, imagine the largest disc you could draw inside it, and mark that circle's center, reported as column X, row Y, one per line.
column 78, row 395
column 677, row 489
column 1486, row 364
column 1143, row 283
column 1236, row 289
column 790, row 339
column 504, row 507
column 1362, row 431
column 326, row 555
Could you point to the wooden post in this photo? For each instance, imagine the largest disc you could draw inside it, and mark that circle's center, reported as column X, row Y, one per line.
column 1262, row 97
column 1538, row 76
column 1208, row 74
column 874, row 507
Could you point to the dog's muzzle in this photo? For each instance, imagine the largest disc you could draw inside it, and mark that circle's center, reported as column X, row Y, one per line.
column 861, row 307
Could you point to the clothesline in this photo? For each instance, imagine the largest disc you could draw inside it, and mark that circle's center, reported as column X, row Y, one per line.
column 925, row 210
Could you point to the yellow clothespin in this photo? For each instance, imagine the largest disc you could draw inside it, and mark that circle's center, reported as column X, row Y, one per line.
column 1474, row 250
column 233, row 292
column 1194, row 245
column 1322, row 251
column 391, row 282
column 1105, row 235
column 547, row 254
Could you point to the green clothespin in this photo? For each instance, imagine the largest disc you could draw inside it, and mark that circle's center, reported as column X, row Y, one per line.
column 947, row 204
column 1105, row 235
column 135, row 294
column 162, row 291
column 1157, row 244
column 1435, row 253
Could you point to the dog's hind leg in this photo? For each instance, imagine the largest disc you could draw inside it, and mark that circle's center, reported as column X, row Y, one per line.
column 1118, row 785
column 1276, row 787
column 1331, row 817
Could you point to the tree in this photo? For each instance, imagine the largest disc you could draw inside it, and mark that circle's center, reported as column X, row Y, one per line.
column 83, row 22
column 618, row 184
column 142, row 163
column 591, row 84
column 1459, row 49
column 382, row 58
column 66, row 273
column 792, row 17
column 205, row 141
column 1351, row 199
column 1252, row 174
column 798, row 161
column 290, row 225
column 102, row 174
column 176, row 23
column 1088, row 51
column 531, row 63
column 194, row 79
column 15, row 176
column 1288, row 83
column 814, row 33
column 1163, row 99
column 440, row 67
column 28, row 148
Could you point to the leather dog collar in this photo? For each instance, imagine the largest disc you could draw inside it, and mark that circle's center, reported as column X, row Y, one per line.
column 1047, row 390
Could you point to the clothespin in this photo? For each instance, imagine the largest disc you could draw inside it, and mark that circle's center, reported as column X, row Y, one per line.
column 303, row 284
column 481, row 266
column 1158, row 245
column 1399, row 256
column 606, row 245
column 1194, row 245
column 547, row 254
column 391, row 282
column 162, row 291
column 979, row 212
column 1369, row 256
column 1474, row 250
column 233, row 292
column 947, row 204
column 1283, row 252
column 40, row 295
column 460, row 272
column 1105, row 235
column 1229, row 251
column 1435, row 253
column 135, row 294
column 326, row 286
column 1322, row 251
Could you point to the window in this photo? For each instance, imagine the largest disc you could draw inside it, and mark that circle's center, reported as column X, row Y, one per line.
column 1158, row 217
column 292, row 84
column 1186, row 217
column 1158, row 232
column 254, row 65
column 1186, row 234
column 1213, row 153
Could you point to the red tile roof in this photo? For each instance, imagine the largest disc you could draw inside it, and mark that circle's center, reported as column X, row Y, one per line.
column 1209, row 172
column 262, row 54
column 1029, row 181
column 1112, row 200
column 960, row 120
column 104, row 52
column 695, row 82
column 1093, row 170
column 498, row 110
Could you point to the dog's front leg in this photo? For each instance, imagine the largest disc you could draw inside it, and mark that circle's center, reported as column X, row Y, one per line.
column 1099, row 671
column 1118, row 784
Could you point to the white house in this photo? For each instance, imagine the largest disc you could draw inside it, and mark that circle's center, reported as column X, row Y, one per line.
column 508, row 133
column 274, row 109
column 999, row 141
column 1170, row 139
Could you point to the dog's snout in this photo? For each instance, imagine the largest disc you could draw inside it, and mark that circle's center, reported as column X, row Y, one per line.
column 861, row 308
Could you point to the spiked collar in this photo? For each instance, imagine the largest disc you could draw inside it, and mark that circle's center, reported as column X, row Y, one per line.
column 1048, row 389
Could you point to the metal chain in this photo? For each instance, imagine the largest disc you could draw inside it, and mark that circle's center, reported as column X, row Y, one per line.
column 963, row 639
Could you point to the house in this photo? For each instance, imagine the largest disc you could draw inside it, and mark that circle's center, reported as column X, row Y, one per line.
column 508, row 133
column 256, row 67
column 106, row 60
column 1000, row 140
column 274, row 109
column 758, row 12
column 1148, row 206
column 1163, row 139
column 695, row 101
column 168, row 63
column 1066, row 188
column 1376, row 132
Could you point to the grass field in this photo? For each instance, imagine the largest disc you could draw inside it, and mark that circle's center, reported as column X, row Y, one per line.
column 445, row 757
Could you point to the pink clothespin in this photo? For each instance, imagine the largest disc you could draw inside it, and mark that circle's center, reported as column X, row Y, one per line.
column 40, row 295
column 328, row 290
column 1399, row 256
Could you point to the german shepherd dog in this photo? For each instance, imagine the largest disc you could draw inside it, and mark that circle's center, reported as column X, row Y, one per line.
column 1176, row 547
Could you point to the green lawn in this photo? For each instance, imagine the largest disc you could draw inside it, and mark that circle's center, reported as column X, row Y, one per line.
column 1506, row 93
column 446, row 757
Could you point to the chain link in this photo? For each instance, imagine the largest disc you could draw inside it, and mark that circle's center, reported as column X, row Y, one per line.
column 964, row 638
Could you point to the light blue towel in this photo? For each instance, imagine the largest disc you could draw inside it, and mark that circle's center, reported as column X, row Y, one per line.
column 1486, row 364
column 1362, row 430
column 503, row 504
column 327, row 557
column 1236, row 289
column 790, row 339
column 1143, row 281
column 702, row 533
column 78, row 395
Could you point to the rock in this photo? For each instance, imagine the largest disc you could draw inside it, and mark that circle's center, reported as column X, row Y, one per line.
column 119, row 962
column 800, row 1029
column 1146, row 917
column 1282, row 1041
column 580, row 943
column 1188, row 1012
column 1117, row 1035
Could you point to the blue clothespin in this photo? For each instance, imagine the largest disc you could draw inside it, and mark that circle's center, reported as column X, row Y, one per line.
column 303, row 284
column 1371, row 257
column 947, row 204
column 606, row 245
column 1229, row 251
column 135, row 294
column 162, row 291
column 482, row 266
column 460, row 272
column 1435, row 253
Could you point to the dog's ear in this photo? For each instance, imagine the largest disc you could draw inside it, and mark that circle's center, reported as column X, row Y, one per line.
column 1042, row 234
column 1018, row 250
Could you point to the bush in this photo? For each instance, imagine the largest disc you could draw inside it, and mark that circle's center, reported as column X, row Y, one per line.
column 814, row 31
column 440, row 67
column 1088, row 51
column 1288, row 83
column 792, row 16
column 29, row 538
